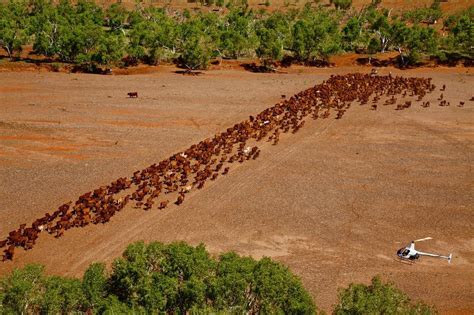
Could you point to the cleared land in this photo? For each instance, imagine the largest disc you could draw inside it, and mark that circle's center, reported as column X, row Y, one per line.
column 397, row 5
column 333, row 202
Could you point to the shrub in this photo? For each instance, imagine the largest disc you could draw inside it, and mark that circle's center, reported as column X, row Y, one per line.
column 428, row 15
column 377, row 298
column 341, row 4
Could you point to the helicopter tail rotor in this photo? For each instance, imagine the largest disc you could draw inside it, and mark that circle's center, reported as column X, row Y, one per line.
column 423, row 239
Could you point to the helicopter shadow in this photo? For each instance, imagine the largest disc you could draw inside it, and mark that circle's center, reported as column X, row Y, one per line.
column 403, row 261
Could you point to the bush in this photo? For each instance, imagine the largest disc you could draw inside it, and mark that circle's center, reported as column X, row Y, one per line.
column 377, row 298
column 428, row 15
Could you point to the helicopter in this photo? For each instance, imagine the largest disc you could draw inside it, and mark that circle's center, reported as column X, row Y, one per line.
column 411, row 254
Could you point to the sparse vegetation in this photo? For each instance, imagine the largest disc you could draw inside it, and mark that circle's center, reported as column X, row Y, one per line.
column 341, row 4
column 87, row 35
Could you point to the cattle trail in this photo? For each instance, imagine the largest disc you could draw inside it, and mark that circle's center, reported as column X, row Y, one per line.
column 172, row 179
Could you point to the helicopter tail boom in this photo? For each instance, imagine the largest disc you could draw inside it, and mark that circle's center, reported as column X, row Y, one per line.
column 437, row 255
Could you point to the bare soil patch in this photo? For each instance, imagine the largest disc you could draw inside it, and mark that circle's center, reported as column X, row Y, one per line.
column 334, row 202
column 396, row 5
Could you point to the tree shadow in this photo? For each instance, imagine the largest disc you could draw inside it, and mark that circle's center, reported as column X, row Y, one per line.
column 30, row 60
column 189, row 72
column 253, row 67
column 375, row 62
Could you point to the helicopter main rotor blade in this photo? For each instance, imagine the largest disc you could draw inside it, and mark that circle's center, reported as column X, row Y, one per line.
column 423, row 239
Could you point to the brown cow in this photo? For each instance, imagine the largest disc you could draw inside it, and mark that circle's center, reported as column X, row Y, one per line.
column 163, row 204
column 9, row 253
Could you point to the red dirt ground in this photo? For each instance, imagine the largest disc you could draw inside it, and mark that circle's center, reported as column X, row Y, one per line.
column 397, row 5
column 334, row 202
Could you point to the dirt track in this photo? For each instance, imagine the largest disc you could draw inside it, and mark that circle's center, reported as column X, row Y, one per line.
column 334, row 202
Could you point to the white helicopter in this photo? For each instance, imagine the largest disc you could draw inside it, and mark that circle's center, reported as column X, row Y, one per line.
column 410, row 253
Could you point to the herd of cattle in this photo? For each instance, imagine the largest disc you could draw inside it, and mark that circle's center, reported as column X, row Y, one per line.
column 176, row 176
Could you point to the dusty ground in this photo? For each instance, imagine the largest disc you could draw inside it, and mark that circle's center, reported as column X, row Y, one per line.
column 450, row 6
column 334, row 202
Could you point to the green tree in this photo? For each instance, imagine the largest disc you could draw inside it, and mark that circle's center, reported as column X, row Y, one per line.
column 233, row 287
column 413, row 42
column 87, row 11
column 94, row 285
column 237, row 36
column 72, row 33
column 460, row 39
column 45, row 23
column 13, row 26
column 377, row 298
column 315, row 36
column 109, row 49
column 116, row 17
column 352, row 32
column 274, row 34
column 196, row 46
column 422, row 41
column 113, row 306
column 62, row 295
column 158, row 278
column 21, row 291
column 153, row 37
column 277, row 291
column 379, row 26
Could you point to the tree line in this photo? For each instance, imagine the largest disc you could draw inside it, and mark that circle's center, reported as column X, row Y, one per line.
column 182, row 279
column 86, row 34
